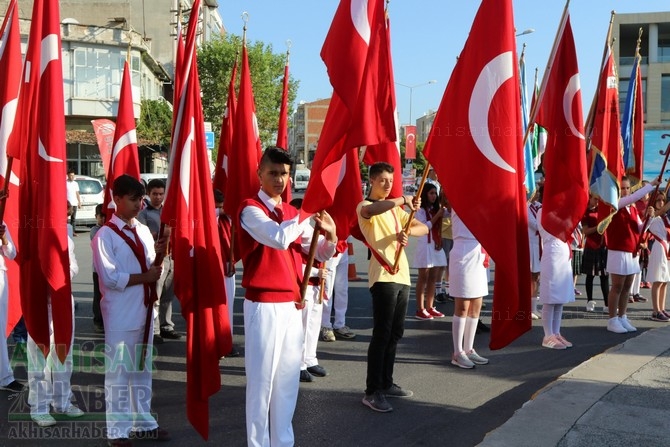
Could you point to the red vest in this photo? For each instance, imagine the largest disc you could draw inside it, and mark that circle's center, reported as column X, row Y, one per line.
column 623, row 232
column 594, row 240
column 270, row 275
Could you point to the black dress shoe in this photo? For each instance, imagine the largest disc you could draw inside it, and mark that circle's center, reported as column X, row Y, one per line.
column 441, row 297
column 305, row 376
column 233, row 352
column 317, row 370
column 171, row 335
column 158, row 340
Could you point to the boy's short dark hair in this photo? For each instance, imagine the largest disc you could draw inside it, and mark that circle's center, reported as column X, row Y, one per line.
column 98, row 210
column 155, row 183
column 218, row 196
column 126, row 185
column 70, row 171
column 378, row 168
column 275, row 155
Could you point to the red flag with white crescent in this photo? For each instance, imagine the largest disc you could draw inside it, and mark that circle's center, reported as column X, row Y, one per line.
column 125, row 158
column 10, row 81
column 39, row 140
column 560, row 112
column 226, row 138
column 481, row 169
column 361, row 111
column 198, row 269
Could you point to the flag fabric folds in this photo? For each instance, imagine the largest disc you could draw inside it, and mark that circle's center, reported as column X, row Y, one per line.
column 125, row 158
column 226, row 138
column 606, row 146
column 388, row 151
column 282, row 130
column 10, row 81
column 198, row 269
column 632, row 124
column 528, row 155
column 245, row 152
column 38, row 140
column 481, row 169
column 361, row 110
column 560, row 112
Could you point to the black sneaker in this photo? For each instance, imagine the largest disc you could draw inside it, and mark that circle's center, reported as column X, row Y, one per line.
column 441, row 297
column 395, row 391
column 158, row 340
column 377, row 402
column 305, row 376
column 14, row 386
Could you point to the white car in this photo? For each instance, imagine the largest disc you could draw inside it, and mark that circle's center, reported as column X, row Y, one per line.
column 91, row 193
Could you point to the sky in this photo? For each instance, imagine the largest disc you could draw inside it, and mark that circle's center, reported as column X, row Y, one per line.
column 426, row 38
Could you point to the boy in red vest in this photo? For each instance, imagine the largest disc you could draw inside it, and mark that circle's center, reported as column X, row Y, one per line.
column 271, row 241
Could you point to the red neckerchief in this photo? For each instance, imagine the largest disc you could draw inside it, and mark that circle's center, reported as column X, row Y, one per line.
column 150, row 294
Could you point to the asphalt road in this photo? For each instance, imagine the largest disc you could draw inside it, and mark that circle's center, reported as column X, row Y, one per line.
column 451, row 406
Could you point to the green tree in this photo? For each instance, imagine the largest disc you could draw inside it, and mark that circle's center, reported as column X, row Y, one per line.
column 155, row 124
column 215, row 63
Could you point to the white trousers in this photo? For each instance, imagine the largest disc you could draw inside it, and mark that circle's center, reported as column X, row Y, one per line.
column 6, row 373
column 272, row 355
column 48, row 378
column 229, row 283
column 127, row 390
column 311, row 324
column 339, row 300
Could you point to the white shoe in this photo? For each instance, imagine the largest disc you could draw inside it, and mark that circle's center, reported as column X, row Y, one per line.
column 591, row 306
column 614, row 325
column 535, row 316
column 43, row 420
column 462, row 361
column 626, row 324
column 476, row 358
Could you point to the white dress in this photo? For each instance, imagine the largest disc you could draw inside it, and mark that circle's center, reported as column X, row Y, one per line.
column 425, row 255
column 467, row 274
column 657, row 271
column 556, row 286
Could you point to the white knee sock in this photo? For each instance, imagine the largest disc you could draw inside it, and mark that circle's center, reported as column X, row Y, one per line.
column 457, row 331
column 547, row 319
column 469, row 336
column 558, row 314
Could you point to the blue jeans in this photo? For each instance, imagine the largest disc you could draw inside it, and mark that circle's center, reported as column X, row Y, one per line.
column 389, row 306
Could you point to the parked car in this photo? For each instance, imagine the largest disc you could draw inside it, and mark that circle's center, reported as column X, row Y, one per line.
column 91, row 193
column 146, row 177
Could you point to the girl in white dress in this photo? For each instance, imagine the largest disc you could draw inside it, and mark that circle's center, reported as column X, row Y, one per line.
column 468, row 285
column 658, row 273
column 429, row 257
column 556, row 287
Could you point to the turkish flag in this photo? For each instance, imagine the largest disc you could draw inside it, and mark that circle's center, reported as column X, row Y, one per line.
column 226, row 138
column 607, row 166
column 481, row 168
column 410, row 142
column 104, row 135
column 282, row 131
column 566, row 188
column 388, row 151
column 198, row 270
column 361, row 111
column 10, row 81
column 39, row 140
column 245, row 152
column 125, row 159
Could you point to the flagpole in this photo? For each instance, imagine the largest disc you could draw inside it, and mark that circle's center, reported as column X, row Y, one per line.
column 588, row 127
column 309, row 262
column 543, row 86
column 5, row 188
column 158, row 260
column 411, row 216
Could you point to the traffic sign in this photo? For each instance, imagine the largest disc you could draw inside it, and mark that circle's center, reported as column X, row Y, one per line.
column 209, row 137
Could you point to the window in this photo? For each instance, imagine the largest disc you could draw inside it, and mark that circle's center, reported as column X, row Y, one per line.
column 98, row 73
column 665, row 93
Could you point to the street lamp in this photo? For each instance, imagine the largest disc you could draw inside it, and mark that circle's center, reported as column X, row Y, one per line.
column 411, row 88
column 526, row 31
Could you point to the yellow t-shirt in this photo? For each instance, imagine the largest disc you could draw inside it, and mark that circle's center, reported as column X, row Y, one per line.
column 446, row 228
column 380, row 233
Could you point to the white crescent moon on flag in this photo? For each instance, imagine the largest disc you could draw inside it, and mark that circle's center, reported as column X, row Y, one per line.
column 48, row 52
column 359, row 17
column 185, row 165
column 568, row 96
column 491, row 78
column 126, row 140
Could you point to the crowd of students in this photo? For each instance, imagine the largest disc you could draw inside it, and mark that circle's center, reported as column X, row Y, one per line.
column 282, row 328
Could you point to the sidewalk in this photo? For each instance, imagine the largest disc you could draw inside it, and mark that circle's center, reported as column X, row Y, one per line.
column 619, row 397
